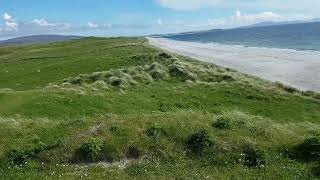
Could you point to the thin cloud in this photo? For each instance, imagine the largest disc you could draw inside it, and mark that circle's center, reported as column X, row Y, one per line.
column 240, row 19
column 10, row 23
column 92, row 25
column 13, row 28
column 43, row 22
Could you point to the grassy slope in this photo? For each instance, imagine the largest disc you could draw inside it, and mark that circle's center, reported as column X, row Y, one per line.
column 274, row 119
column 27, row 67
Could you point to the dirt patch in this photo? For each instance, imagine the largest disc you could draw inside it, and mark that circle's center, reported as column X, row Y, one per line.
column 92, row 131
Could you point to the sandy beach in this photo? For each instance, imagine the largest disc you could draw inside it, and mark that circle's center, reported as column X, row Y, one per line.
column 300, row 69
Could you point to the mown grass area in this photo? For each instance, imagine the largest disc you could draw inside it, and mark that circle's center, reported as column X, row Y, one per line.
column 118, row 108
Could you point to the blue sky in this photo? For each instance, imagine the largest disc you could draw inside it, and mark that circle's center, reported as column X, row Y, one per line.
column 142, row 17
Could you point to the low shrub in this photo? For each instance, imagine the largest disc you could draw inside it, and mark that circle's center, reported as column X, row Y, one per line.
column 222, row 122
column 90, row 151
column 134, row 152
column 253, row 157
column 115, row 81
column 290, row 89
column 155, row 131
column 227, row 78
column 308, row 93
column 95, row 150
column 286, row 88
column 308, row 150
column 165, row 55
column 316, row 170
column 199, row 142
column 20, row 156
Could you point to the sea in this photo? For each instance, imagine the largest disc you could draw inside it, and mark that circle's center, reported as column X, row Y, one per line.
column 300, row 36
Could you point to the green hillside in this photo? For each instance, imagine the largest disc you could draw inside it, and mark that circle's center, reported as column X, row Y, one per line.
column 117, row 108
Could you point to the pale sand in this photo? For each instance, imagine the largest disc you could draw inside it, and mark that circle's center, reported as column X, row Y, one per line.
column 300, row 69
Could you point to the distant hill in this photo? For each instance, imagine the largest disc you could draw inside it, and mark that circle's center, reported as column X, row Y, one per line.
column 260, row 24
column 272, row 23
column 37, row 39
column 299, row 36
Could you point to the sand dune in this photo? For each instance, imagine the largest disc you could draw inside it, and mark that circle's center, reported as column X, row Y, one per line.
column 300, row 69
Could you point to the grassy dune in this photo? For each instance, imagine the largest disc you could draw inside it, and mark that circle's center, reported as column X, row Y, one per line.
column 117, row 108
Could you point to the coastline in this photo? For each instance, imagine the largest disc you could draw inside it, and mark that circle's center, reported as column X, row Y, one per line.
column 299, row 69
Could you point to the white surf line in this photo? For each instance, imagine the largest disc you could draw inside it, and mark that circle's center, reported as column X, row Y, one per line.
column 300, row 69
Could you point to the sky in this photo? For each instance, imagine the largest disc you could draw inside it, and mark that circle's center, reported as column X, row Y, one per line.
column 143, row 17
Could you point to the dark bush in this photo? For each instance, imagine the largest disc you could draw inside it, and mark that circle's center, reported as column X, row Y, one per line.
column 116, row 82
column 155, row 131
column 134, row 152
column 76, row 80
column 288, row 89
column 20, row 156
column 254, row 157
column 198, row 142
column 308, row 93
column 90, row 151
column 222, row 122
column 316, row 170
column 307, row 151
column 165, row 55
column 227, row 78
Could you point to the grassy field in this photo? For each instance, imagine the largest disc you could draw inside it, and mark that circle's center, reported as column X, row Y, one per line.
column 117, row 108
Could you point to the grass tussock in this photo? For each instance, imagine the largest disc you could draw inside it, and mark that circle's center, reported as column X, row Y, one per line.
column 149, row 73
column 287, row 88
column 199, row 142
column 253, row 157
column 22, row 156
column 308, row 150
column 94, row 150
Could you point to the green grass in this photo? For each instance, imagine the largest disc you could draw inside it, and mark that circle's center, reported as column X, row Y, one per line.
column 156, row 118
column 28, row 67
